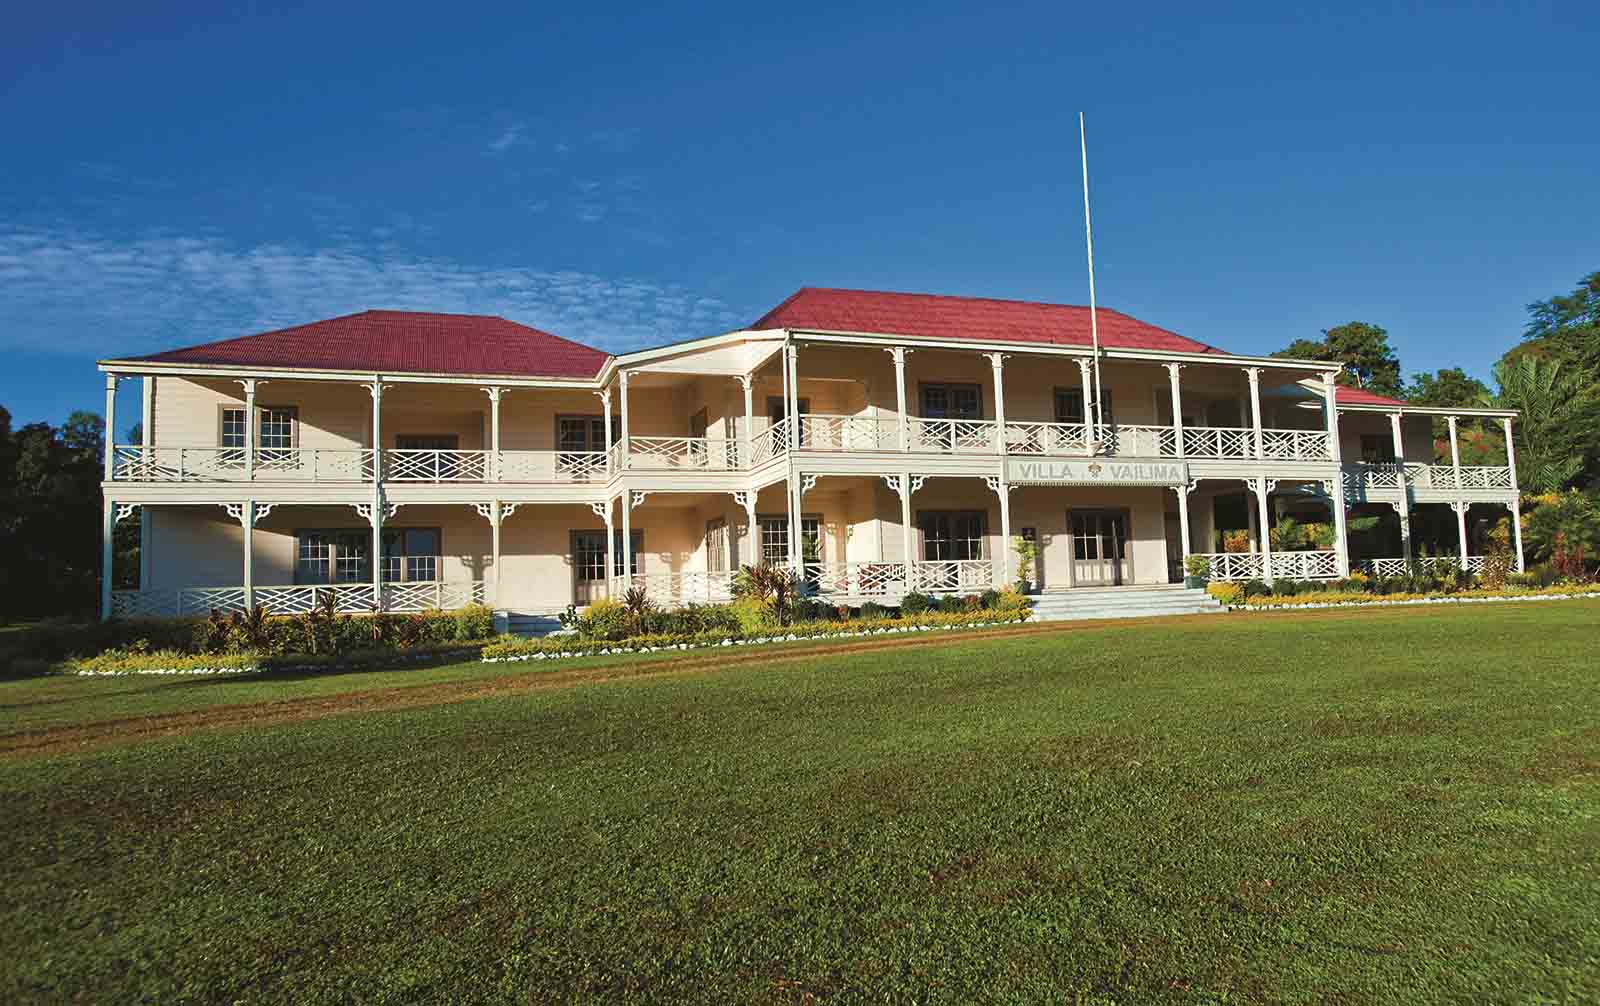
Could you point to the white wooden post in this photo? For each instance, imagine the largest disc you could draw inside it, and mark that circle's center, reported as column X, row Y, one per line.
column 1183, row 518
column 605, row 420
column 622, row 377
column 1254, row 375
column 611, row 554
column 1177, row 411
column 899, row 354
column 1460, row 507
column 996, row 364
column 747, row 445
column 147, row 440
column 247, row 520
column 1455, row 452
column 1516, row 491
column 1335, row 486
column 376, row 555
column 1259, row 485
column 1086, row 374
column 1003, row 490
column 907, row 535
column 1399, row 450
column 249, row 428
column 792, row 497
column 108, row 526
column 627, row 539
column 1403, row 509
column 111, row 427
column 792, row 407
column 495, row 517
column 494, row 394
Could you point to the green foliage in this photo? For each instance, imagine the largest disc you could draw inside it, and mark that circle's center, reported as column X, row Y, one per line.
column 1197, row 565
column 1363, row 348
column 1226, row 593
column 915, row 603
column 1256, row 588
column 1009, row 600
column 1556, row 424
column 1564, row 530
column 1027, row 552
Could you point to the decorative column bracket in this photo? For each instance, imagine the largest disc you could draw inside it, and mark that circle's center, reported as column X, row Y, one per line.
column 123, row 510
column 602, row 510
column 807, row 483
column 637, row 499
column 994, row 484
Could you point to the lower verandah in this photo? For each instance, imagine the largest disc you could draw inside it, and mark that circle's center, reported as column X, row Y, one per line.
column 686, row 546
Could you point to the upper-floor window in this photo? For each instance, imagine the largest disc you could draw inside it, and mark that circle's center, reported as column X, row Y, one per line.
column 1069, row 406
column 275, row 427
column 579, row 434
column 952, row 401
column 1376, row 449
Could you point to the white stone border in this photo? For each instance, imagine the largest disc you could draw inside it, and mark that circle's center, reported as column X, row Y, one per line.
column 1416, row 600
column 759, row 640
column 213, row 671
column 399, row 658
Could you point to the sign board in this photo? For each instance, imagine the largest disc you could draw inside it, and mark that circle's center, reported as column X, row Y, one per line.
column 1097, row 472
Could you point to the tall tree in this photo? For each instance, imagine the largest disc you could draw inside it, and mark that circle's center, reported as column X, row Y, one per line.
column 1566, row 329
column 1369, row 361
column 1550, row 438
column 1481, row 443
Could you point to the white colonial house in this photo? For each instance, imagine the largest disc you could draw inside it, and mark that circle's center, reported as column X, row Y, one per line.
column 902, row 440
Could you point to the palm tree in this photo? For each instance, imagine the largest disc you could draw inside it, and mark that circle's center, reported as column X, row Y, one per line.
column 1547, row 398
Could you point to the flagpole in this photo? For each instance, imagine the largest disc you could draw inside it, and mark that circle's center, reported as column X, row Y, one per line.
column 1094, row 319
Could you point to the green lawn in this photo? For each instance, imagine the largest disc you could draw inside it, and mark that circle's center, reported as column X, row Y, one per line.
column 1377, row 806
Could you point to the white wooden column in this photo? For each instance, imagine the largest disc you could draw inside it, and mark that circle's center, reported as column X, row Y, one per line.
column 611, row 554
column 495, row 516
column 1086, row 374
column 494, row 433
column 1177, row 410
column 1003, row 489
column 1335, row 486
column 792, row 406
column 746, row 445
column 110, row 437
column 1259, row 486
column 376, row 555
column 1403, row 510
column 627, row 539
column 622, row 378
column 1460, row 507
column 997, row 365
column 899, row 354
column 1516, row 491
column 1254, row 375
column 752, row 534
column 908, row 536
column 247, row 520
column 1399, row 445
column 250, row 418
column 1455, row 452
column 108, row 525
column 147, row 440
column 792, row 497
column 1183, row 490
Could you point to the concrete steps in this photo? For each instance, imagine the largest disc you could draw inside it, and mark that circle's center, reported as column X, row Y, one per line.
column 1132, row 601
column 524, row 623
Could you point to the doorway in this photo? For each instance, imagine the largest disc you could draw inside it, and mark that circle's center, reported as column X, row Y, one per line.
column 1099, row 548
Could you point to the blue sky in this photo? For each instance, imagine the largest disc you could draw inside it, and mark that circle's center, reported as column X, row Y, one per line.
column 176, row 173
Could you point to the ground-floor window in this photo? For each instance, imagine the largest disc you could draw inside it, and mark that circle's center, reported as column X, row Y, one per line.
column 342, row 555
column 951, row 534
column 589, row 554
column 775, row 539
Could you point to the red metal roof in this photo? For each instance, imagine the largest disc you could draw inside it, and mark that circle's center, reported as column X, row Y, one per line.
column 403, row 342
column 1360, row 396
column 976, row 318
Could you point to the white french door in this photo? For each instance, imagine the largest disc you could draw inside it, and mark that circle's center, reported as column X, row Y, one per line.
column 1100, row 548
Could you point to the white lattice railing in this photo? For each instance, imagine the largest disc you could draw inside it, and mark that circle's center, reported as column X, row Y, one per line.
column 695, row 453
column 952, row 576
column 1386, row 568
column 885, row 580
column 552, row 466
column 1295, row 445
column 1218, row 442
column 134, row 463
column 1305, row 565
column 435, row 466
column 1233, row 565
column 1363, row 478
column 848, row 433
column 674, row 590
column 1141, row 441
column 1485, row 477
column 1047, row 438
column 769, row 443
column 952, row 436
column 349, row 598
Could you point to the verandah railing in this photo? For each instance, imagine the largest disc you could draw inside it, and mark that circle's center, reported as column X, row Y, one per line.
column 349, row 598
column 1314, row 565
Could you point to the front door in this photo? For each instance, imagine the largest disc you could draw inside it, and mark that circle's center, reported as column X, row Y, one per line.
column 717, row 545
column 1099, row 547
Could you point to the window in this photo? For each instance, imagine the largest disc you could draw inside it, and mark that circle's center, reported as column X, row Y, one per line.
column 589, row 554
column 427, row 442
column 579, row 434
column 1069, row 406
column 952, row 401
column 951, row 534
column 775, row 539
column 341, row 555
column 1376, row 449
column 411, row 554
column 274, row 427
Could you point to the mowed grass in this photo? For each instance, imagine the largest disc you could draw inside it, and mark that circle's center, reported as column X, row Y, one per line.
column 1379, row 806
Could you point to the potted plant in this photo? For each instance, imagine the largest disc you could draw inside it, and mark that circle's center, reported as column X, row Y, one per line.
column 1196, row 569
column 1027, row 561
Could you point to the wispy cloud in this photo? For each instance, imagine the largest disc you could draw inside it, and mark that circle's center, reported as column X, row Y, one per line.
column 78, row 292
column 509, row 137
